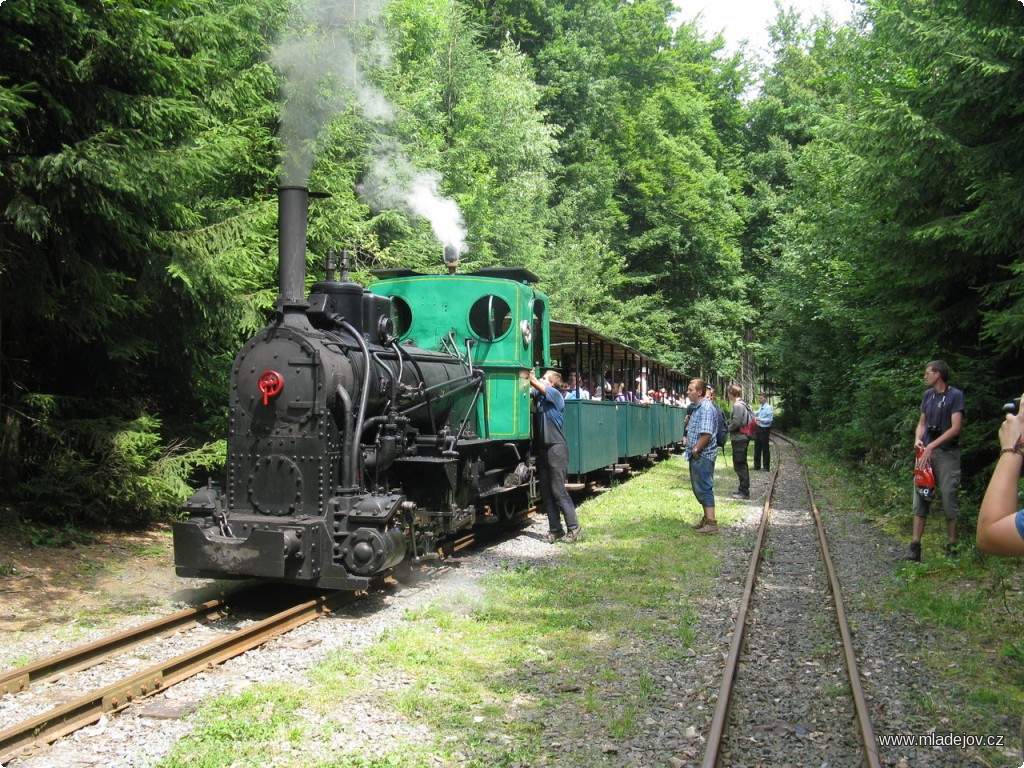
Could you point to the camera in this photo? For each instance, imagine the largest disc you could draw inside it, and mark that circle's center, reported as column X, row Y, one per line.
column 1013, row 406
column 934, row 431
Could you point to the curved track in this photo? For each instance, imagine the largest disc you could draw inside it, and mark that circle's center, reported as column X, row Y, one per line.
column 791, row 635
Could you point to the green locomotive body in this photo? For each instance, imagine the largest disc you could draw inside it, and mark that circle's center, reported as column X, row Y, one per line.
column 494, row 318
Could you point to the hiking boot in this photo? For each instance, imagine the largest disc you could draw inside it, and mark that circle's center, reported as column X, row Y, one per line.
column 700, row 523
column 573, row 535
column 554, row 536
column 913, row 552
column 952, row 550
column 740, row 495
column 710, row 527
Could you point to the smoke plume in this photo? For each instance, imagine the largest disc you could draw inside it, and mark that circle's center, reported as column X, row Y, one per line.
column 315, row 68
column 392, row 181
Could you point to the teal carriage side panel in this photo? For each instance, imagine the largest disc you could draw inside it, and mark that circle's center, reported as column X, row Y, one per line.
column 592, row 434
column 677, row 423
column 634, row 430
column 661, row 432
column 496, row 316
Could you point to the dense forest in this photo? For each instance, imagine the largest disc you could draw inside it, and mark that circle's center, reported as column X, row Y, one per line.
column 833, row 218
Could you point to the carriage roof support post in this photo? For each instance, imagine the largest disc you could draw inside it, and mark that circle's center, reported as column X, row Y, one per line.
column 576, row 357
column 590, row 358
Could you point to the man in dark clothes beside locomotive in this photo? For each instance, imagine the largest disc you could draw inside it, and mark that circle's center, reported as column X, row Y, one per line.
column 936, row 439
column 553, row 466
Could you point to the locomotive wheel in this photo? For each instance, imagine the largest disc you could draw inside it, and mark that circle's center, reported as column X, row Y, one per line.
column 511, row 508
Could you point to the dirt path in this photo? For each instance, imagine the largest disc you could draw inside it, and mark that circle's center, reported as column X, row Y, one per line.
column 96, row 581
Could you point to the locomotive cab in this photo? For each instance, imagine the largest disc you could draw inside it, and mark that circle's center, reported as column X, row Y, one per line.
column 495, row 316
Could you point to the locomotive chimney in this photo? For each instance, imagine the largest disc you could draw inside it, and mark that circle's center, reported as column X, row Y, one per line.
column 451, row 258
column 292, row 211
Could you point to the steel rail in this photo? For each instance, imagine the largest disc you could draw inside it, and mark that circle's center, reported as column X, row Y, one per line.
column 867, row 731
column 85, row 656
column 721, row 714
column 89, row 708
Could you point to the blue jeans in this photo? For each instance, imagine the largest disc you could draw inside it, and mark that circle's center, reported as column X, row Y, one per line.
column 702, row 480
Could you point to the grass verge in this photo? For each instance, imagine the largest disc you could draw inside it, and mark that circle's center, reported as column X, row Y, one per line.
column 488, row 679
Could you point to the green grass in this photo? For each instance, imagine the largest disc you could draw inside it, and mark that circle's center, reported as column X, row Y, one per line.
column 247, row 729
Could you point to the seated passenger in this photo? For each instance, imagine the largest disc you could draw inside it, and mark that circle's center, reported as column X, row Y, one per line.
column 576, row 389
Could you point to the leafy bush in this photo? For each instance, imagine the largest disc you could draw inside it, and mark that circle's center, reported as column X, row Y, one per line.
column 83, row 470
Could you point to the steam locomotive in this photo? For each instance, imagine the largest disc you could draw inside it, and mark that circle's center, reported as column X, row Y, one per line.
column 368, row 428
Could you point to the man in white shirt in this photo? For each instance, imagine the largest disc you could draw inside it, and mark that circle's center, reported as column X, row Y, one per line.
column 762, row 440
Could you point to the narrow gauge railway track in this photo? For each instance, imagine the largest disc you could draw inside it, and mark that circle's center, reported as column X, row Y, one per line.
column 784, row 697
column 89, row 706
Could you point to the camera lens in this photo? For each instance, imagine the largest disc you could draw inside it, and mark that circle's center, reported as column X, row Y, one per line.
column 1013, row 406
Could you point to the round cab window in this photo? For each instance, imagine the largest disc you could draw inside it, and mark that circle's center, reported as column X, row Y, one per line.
column 401, row 316
column 490, row 317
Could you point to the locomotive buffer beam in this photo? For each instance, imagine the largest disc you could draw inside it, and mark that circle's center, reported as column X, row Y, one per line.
column 202, row 552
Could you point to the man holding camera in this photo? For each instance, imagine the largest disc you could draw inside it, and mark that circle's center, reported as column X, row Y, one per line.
column 937, row 440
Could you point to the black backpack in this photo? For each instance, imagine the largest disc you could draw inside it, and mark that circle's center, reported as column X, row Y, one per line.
column 722, row 433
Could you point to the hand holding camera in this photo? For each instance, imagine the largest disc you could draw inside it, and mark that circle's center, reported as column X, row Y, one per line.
column 1011, row 432
column 997, row 529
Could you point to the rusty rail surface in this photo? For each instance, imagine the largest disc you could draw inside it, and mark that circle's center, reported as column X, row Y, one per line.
column 85, row 656
column 721, row 714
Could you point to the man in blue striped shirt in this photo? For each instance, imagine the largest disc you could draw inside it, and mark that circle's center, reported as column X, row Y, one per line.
column 701, row 451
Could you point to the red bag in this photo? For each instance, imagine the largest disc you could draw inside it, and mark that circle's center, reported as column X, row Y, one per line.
column 750, row 428
column 924, row 478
